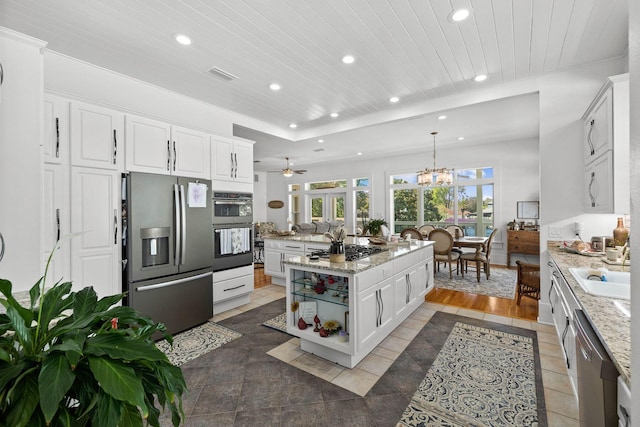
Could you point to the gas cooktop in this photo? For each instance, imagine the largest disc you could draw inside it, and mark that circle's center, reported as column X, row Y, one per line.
column 353, row 252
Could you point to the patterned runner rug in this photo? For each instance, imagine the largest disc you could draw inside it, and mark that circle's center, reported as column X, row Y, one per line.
column 195, row 342
column 480, row 377
column 501, row 283
column 279, row 322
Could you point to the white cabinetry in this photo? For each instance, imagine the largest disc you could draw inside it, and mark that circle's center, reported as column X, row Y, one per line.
column 606, row 148
column 55, row 144
column 369, row 303
column 232, row 288
column 96, row 137
column 277, row 251
column 563, row 306
column 624, row 404
column 153, row 146
column 95, row 204
column 232, row 161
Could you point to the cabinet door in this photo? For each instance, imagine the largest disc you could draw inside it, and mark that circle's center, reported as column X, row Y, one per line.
column 192, row 153
column 273, row 263
column 401, row 293
column 598, row 177
column 148, row 145
column 96, row 216
column 387, row 307
column 221, row 158
column 55, row 215
column 368, row 321
column 425, row 278
column 96, row 137
column 598, row 135
column 243, row 161
column 55, row 144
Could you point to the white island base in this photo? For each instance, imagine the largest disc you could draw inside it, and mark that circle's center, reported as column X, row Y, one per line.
column 369, row 298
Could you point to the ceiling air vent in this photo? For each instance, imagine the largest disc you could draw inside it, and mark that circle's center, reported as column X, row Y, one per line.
column 221, row 74
column 318, row 150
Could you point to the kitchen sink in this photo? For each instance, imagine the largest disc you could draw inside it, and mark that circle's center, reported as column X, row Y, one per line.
column 616, row 286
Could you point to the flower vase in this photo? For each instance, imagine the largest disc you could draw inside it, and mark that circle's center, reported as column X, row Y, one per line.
column 336, row 252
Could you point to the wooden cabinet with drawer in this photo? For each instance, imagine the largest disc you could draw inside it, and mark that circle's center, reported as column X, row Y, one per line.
column 522, row 242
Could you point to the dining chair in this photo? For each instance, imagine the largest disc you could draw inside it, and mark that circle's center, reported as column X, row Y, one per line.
column 528, row 281
column 442, row 250
column 452, row 229
column 413, row 232
column 426, row 229
column 481, row 258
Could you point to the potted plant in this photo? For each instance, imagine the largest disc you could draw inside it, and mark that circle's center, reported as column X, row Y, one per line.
column 71, row 359
column 374, row 227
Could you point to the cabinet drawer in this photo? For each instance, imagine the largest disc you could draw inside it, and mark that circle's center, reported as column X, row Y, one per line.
column 373, row 276
column 315, row 247
column 524, row 248
column 523, row 237
column 232, row 288
column 405, row 261
column 292, row 246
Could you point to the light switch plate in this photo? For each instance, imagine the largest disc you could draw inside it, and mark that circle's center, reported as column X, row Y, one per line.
column 555, row 231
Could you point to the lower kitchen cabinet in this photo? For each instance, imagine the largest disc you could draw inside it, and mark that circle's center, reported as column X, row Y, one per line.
column 368, row 302
column 232, row 288
column 563, row 306
column 277, row 251
column 56, row 226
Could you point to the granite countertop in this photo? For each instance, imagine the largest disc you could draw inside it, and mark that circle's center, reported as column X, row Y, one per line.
column 610, row 317
column 353, row 267
column 315, row 238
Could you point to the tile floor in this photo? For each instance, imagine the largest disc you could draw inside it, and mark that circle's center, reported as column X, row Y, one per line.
column 562, row 409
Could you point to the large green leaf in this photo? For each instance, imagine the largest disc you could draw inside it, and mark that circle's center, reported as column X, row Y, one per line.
column 130, row 417
column 85, row 302
column 106, row 302
column 22, row 330
column 53, row 303
column 24, row 401
column 9, row 371
column 119, row 380
column 5, row 288
column 118, row 346
column 54, row 381
column 107, row 412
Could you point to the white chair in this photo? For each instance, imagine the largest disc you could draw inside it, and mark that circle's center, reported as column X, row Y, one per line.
column 480, row 258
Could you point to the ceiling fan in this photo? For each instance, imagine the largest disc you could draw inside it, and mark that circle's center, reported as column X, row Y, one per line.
column 288, row 172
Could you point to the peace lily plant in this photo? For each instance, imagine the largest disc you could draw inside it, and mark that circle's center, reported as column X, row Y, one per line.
column 71, row 359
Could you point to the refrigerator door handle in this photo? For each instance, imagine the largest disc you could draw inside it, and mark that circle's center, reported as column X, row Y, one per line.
column 177, row 224
column 183, row 218
column 172, row 282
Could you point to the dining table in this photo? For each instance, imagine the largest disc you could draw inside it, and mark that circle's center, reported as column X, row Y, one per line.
column 475, row 242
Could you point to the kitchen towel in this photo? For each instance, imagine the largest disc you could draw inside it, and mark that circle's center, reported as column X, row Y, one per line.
column 235, row 241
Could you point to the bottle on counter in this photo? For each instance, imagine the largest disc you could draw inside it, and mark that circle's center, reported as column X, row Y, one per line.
column 620, row 233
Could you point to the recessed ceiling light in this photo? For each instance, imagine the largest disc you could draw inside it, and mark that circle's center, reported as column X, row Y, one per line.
column 459, row 15
column 460, row 138
column 182, row 39
column 293, row 125
column 348, row 59
column 321, row 141
column 480, row 77
column 274, row 86
column 394, row 99
column 442, row 117
column 358, row 153
column 334, row 115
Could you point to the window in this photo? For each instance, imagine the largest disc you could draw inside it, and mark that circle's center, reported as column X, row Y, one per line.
column 467, row 203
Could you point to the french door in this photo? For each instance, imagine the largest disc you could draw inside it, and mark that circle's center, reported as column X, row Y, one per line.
column 327, row 207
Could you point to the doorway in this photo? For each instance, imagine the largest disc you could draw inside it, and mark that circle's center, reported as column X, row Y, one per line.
column 327, row 206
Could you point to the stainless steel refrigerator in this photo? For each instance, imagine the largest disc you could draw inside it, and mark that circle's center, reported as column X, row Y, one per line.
column 169, row 248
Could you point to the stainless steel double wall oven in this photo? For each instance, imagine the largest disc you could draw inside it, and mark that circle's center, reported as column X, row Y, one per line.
column 232, row 230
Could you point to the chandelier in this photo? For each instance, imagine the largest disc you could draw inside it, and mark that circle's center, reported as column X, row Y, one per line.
column 435, row 176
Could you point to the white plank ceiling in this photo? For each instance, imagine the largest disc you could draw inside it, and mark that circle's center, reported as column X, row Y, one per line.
column 404, row 48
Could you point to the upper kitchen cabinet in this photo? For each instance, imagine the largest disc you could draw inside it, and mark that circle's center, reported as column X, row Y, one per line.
column 55, row 144
column 606, row 154
column 96, row 137
column 157, row 147
column 232, row 161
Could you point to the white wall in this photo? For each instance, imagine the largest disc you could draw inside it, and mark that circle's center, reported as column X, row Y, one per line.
column 20, row 169
column 634, row 71
column 516, row 176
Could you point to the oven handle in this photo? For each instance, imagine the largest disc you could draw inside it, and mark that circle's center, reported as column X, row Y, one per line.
column 231, row 202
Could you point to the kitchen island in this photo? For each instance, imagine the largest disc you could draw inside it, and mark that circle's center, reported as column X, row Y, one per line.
column 366, row 299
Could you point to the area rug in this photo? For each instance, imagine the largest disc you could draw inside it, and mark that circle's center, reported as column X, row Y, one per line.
column 279, row 322
column 195, row 342
column 480, row 377
column 501, row 282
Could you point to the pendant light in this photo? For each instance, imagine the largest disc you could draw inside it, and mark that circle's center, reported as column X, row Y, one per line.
column 435, row 176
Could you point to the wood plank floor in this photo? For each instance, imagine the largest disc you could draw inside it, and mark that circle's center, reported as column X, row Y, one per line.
column 527, row 310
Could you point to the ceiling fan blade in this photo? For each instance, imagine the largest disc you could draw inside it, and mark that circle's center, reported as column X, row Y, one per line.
column 301, row 171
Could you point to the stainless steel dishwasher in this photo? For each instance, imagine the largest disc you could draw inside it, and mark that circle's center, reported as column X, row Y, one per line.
column 597, row 377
